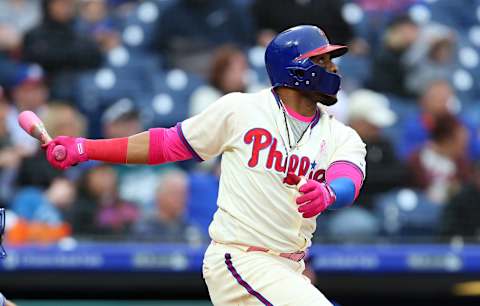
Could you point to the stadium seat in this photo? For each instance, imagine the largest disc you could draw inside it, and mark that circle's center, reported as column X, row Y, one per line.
column 407, row 213
column 256, row 61
column 456, row 14
column 355, row 71
column 141, row 22
column 99, row 89
column 170, row 100
column 202, row 199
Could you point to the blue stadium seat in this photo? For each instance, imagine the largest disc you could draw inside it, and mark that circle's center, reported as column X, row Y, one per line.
column 141, row 22
column 162, row 110
column 177, row 80
column 404, row 108
column 99, row 89
column 170, row 100
column 456, row 14
column 137, row 66
column 256, row 61
column 355, row 71
column 471, row 111
column 202, row 199
column 407, row 213
column 353, row 224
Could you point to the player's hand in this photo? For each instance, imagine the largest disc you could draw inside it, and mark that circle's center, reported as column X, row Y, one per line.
column 315, row 198
column 9, row 303
column 4, row 301
column 75, row 151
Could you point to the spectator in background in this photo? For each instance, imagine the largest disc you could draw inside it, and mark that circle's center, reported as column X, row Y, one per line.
column 168, row 223
column 430, row 57
column 121, row 119
column 99, row 209
column 9, row 156
column 228, row 73
column 41, row 216
column 462, row 216
column 28, row 92
column 188, row 30
column 442, row 165
column 135, row 183
column 49, row 207
column 59, row 118
column 369, row 114
column 56, row 46
column 19, row 15
column 388, row 73
column 436, row 100
column 93, row 16
column 94, row 21
column 16, row 17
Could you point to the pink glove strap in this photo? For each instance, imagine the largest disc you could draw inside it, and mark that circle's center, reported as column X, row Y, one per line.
column 80, row 147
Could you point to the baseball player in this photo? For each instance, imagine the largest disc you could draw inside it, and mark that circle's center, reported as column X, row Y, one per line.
column 284, row 162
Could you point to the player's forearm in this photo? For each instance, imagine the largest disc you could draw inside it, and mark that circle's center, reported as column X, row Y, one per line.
column 138, row 148
column 131, row 150
column 156, row 146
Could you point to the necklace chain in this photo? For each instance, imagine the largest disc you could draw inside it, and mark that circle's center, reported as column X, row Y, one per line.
column 288, row 130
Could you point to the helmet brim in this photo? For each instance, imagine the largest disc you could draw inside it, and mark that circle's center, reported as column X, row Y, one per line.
column 333, row 50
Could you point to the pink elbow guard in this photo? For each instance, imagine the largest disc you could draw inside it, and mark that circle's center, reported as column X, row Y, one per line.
column 165, row 146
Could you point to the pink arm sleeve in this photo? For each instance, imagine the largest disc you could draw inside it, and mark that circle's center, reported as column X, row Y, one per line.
column 348, row 170
column 166, row 146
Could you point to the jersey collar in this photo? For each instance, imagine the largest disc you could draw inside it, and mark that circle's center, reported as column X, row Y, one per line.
column 316, row 118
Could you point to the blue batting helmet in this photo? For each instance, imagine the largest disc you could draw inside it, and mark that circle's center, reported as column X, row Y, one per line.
column 288, row 63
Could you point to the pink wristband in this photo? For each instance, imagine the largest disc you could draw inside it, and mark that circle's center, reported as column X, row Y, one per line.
column 107, row 150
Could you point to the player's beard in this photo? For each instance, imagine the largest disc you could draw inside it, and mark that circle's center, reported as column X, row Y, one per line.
column 327, row 100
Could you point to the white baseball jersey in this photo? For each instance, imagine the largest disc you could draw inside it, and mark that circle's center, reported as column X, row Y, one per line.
column 255, row 207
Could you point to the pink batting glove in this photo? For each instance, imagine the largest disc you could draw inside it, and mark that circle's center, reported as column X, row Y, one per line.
column 75, row 151
column 315, row 199
column 316, row 196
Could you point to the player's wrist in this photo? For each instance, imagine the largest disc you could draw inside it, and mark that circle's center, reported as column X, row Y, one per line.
column 331, row 196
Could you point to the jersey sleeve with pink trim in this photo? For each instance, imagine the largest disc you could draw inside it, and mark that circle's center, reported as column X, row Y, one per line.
column 212, row 131
column 349, row 147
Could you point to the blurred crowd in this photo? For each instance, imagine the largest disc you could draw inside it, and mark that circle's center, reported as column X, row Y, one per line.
column 113, row 68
